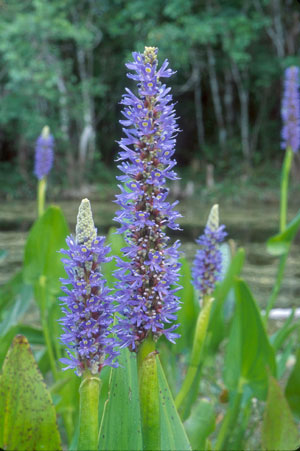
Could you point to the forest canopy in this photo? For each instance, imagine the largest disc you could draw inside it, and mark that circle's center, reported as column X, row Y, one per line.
column 62, row 64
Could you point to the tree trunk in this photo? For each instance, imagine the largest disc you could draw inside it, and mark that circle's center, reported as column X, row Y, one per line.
column 244, row 120
column 198, row 103
column 228, row 102
column 87, row 137
column 214, row 85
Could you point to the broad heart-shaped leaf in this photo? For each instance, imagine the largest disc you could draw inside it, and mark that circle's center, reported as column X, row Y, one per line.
column 249, row 355
column 173, row 435
column 27, row 419
column 42, row 258
column 121, row 422
column 280, row 243
column 279, row 431
column 200, row 424
column 292, row 390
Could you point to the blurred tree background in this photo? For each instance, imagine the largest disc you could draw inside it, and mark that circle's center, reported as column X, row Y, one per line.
column 62, row 64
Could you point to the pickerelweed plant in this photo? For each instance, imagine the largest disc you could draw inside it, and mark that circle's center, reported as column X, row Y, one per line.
column 148, row 279
column 229, row 367
column 290, row 113
column 44, row 156
column 206, row 271
column 88, row 319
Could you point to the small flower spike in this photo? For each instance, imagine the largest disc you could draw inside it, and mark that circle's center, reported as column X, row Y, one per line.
column 207, row 265
column 89, row 305
column 290, row 110
column 43, row 154
column 149, row 275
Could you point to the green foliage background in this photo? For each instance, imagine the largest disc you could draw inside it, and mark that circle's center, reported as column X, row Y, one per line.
column 62, row 63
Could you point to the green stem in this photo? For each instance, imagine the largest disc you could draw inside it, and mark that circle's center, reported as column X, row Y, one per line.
column 46, row 332
column 88, row 414
column 41, row 196
column 277, row 285
column 197, row 354
column 229, row 420
column 149, row 395
column 284, row 187
column 286, row 167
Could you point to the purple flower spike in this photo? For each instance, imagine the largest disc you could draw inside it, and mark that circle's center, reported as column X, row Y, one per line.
column 148, row 278
column 43, row 154
column 89, row 313
column 207, row 265
column 290, row 110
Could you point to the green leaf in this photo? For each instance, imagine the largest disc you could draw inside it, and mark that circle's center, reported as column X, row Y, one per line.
column 188, row 313
column 34, row 335
column 123, row 431
column 279, row 432
column 282, row 358
column 16, row 310
column 42, row 257
column 292, row 391
column 279, row 337
column 116, row 242
column 28, row 419
column 10, row 291
column 189, row 389
column 280, row 243
column 121, row 421
column 173, row 435
column 216, row 327
column 249, row 354
column 201, row 424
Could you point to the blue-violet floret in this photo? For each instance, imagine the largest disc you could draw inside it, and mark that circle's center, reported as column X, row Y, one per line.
column 148, row 276
column 290, row 110
column 44, row 154
column 88, row 303
column 207, row 266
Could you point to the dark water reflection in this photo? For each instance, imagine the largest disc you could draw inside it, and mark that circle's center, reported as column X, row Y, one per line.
column 248, row 225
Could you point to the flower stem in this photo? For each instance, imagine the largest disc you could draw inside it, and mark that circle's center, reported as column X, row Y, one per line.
column 149, row 395
column 286, row 167
column 199, row 338
column 41, row 196
column 284, row 187
column 276, row 287
column 229, row 419
column 88, row 414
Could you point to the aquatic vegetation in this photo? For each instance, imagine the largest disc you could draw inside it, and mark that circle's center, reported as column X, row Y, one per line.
column 227, row 371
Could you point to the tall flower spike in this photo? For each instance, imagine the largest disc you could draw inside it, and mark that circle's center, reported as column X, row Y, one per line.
column 148, row 277
column 207, row 265
column 89, row 313
column 44, row 153
column 290, row 111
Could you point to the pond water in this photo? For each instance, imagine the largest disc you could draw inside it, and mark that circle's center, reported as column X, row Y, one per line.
column 248, row 225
